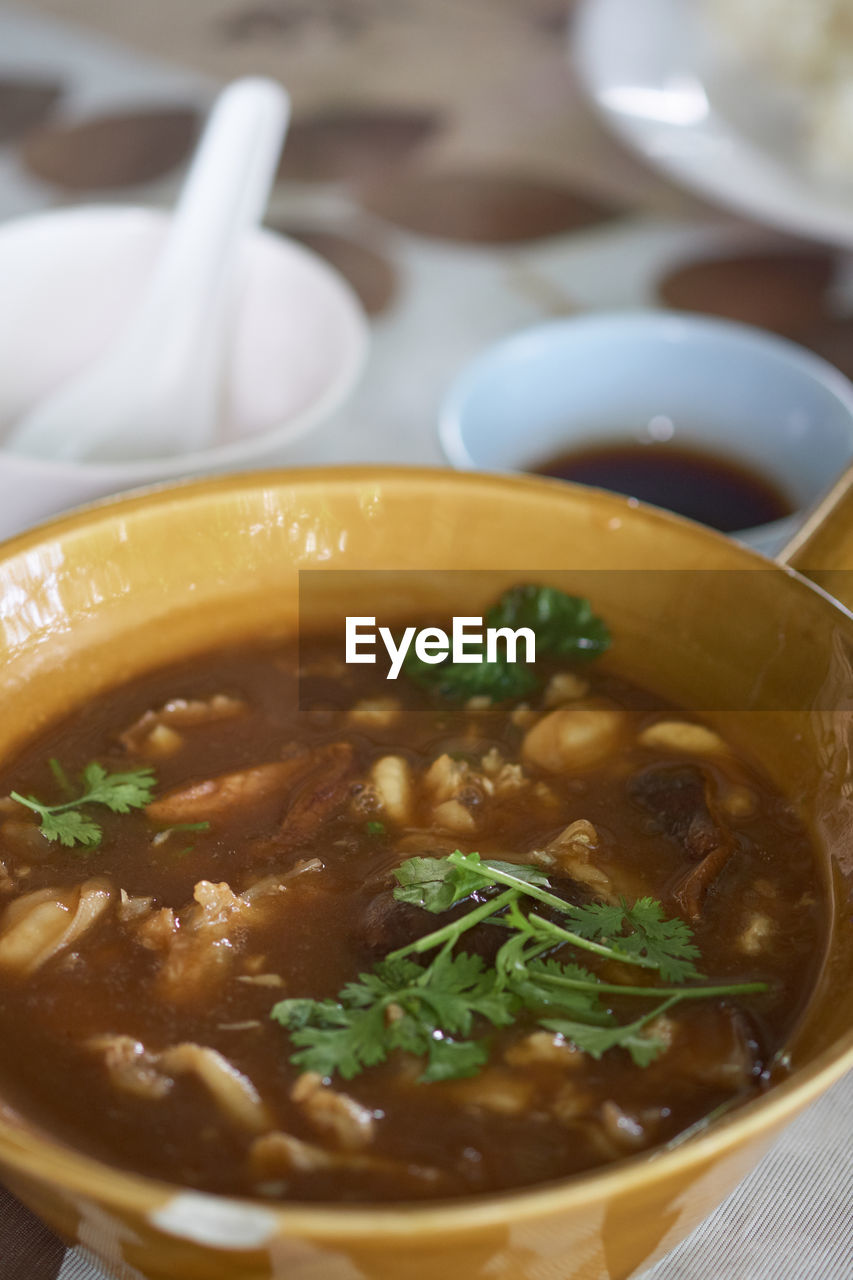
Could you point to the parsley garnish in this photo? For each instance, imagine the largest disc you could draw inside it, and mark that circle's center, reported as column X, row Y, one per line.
column 118, row 792
column 434, row 1010
column 565, row 626
column 375, row 828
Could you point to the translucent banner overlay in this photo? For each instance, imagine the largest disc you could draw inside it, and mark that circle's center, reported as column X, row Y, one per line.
column 709, row 641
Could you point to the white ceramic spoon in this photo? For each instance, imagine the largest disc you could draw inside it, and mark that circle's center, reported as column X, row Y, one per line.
column 156, row 391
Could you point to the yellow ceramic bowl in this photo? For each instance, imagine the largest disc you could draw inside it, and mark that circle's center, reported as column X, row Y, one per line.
column 104, row 594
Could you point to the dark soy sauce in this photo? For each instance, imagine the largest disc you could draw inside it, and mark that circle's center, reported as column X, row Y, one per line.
column 703, row 486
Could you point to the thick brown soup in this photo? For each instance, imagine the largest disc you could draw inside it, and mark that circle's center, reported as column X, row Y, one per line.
column 138, row 976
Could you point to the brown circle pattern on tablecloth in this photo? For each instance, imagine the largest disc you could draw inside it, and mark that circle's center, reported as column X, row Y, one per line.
column 286, row 18
column 483, row 208
column 343, row 144
column 782, row 291
column 25, row 104
column 112, row 151
column 371, row 276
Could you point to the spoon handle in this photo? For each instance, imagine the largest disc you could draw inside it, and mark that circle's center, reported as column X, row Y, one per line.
column 179, row 321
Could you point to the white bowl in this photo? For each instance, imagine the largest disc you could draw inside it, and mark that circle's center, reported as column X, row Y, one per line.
column 69, row 279
column 726, row 388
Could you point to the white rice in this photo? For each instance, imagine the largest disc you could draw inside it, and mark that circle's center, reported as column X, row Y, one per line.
column 806, row 44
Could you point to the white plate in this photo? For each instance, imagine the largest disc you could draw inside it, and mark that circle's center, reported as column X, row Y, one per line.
column 654, row 75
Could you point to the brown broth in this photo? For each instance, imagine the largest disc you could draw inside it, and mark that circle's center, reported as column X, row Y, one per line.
column 482, row 1134
column 702, row 486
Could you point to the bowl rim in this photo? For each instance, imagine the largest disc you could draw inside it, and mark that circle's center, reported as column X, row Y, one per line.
column 234, row 453
column 665, row 327
column 32, row 1152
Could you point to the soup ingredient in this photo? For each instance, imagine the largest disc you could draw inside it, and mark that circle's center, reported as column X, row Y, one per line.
column 135, row 1005
column 430, row 1011
column 118, row 792
column 573, row 738
column 40, row 925
column 564, row 626
column 716, row 491
column 683, row 808
column 151, row 1076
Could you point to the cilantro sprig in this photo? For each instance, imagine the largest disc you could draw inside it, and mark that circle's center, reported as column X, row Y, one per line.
column 564, row 626
column 67, row 822
column 440, row 1010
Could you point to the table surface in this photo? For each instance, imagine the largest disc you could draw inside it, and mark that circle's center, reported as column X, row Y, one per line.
column 408, row 148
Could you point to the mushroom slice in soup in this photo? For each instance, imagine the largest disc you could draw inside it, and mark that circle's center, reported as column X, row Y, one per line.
column 134, row 1069
column 277, row 882
column 319, row 797
column 234, row 1094
column 219, row 797
column 494, row 1090
column 311, row 784
column 680, row 800
column 131, row 1068
column 41, row 924
column 543, row 1048
column 133, row 907
column 574, row 738
column 572, row 852
column 278, row 1154
column 333, row 1114
column 155, row 733
column 623, row 1129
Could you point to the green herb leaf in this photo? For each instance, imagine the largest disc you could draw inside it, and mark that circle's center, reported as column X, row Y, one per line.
column 61, row 776
column 441, row 1010
column 454, row 1059
column 667, row 942
column 436, row 884
column 118, row 792
column 631, row 1036
column 596, row 1041
column 375, row 828
column 402, row 1006
column 426, row 882
column 565, row 626
column 640, row 932
column 458, row 681
column 70, row 828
